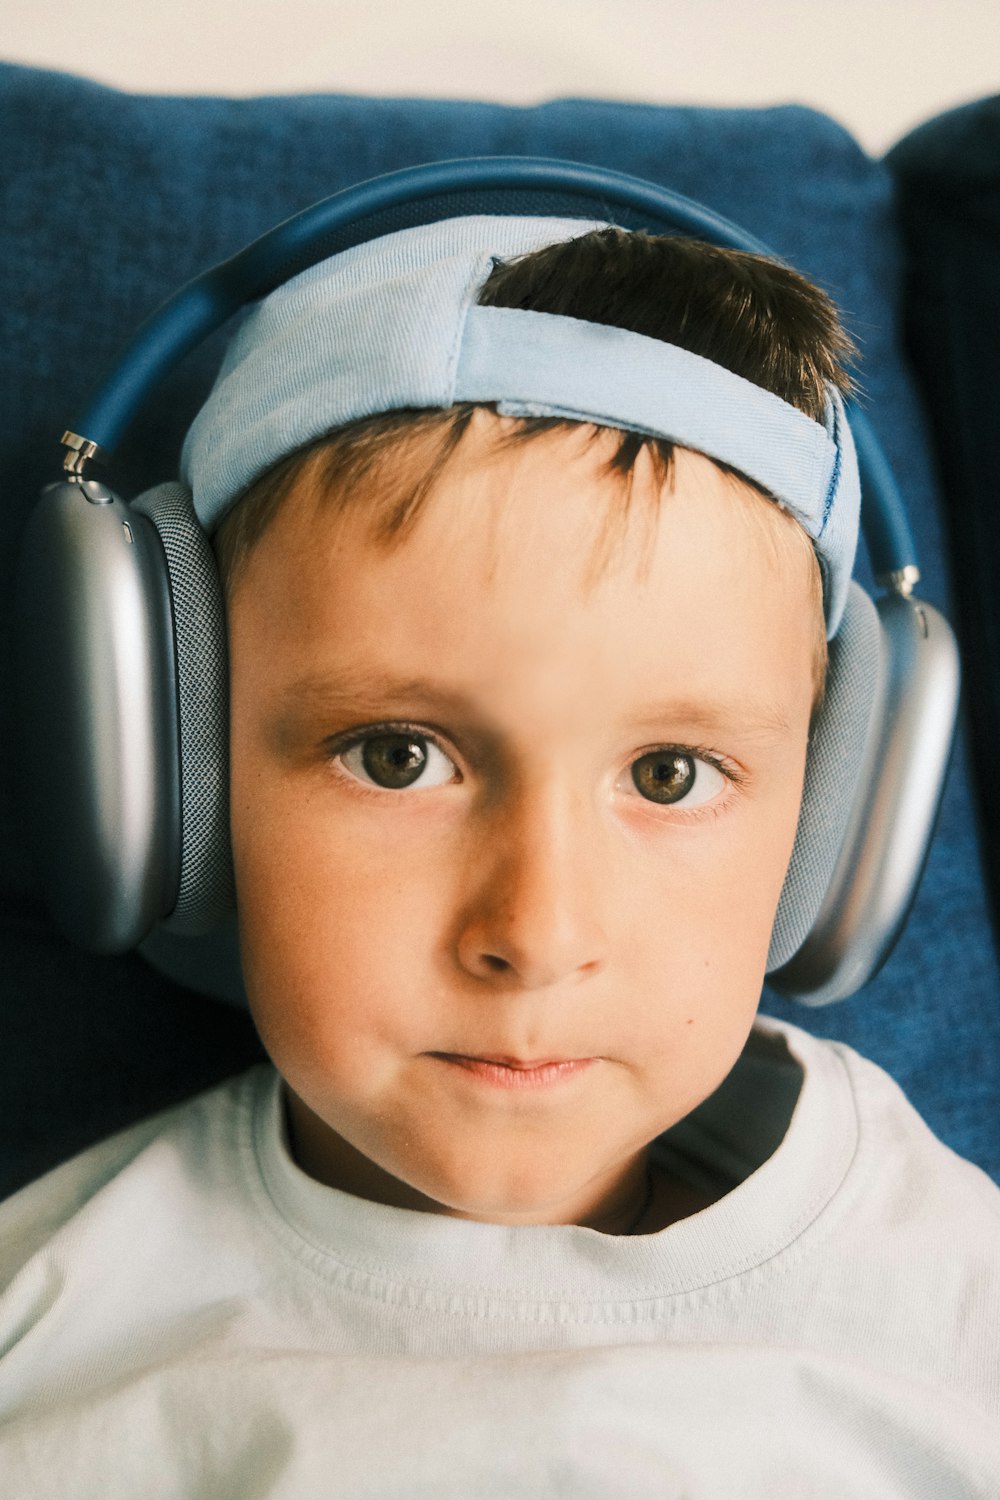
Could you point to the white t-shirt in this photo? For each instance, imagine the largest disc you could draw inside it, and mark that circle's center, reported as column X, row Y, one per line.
column 187, row 1314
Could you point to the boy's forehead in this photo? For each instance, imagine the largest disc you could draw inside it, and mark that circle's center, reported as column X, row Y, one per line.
column 396, row 324
column 464, row 498
column 493, row 585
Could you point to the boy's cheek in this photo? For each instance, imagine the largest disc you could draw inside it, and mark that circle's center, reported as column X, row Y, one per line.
column 323, row 916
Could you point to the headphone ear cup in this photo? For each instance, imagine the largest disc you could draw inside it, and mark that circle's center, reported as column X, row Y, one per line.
column 96, row 686
column 205, row 890
column 843, row 736
column 876, row 769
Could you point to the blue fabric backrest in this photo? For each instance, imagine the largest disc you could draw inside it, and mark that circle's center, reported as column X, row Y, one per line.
column 947, row 176
column 109, row 202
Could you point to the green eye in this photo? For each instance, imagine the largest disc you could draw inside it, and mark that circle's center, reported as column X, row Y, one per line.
column 396, row 760
column 674, row 777
column 664, row 775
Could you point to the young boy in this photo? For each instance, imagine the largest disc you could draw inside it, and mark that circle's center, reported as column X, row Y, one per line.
column 521, row 693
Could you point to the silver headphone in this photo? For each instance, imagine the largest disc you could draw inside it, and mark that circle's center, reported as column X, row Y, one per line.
column 123, row 674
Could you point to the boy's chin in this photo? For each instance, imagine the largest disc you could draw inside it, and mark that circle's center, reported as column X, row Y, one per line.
column 520, row 1166
column 512, row 1190
column 468, row 1173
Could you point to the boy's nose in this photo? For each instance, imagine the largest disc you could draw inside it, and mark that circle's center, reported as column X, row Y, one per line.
column 535, row 911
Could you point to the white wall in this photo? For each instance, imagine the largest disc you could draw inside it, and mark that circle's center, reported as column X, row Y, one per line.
column 879, row 66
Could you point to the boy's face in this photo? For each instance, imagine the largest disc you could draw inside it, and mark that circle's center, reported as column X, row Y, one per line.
column 488, row 817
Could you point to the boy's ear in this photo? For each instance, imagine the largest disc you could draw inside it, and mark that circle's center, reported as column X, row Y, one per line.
column 875, row 769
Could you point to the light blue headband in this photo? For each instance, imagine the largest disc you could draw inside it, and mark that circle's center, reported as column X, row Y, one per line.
column 394, row 323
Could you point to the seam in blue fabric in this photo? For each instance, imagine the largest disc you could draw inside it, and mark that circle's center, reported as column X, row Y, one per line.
column 478, row 276
column 832, row 487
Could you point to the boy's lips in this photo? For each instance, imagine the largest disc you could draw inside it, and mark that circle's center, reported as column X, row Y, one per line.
column 504, row 1060
column 505, row 1071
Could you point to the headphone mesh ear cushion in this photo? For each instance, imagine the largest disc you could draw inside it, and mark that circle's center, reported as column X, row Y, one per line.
column 205, row 892
column 833, row 777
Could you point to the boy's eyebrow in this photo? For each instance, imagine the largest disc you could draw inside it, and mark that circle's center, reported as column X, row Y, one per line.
column 363, row 691
column 748, row 716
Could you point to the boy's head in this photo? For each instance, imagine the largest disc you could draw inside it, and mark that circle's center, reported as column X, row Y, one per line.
column 520, row 709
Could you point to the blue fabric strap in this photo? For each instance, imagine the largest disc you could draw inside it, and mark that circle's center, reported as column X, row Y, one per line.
column 395, row 323
column 539, row 364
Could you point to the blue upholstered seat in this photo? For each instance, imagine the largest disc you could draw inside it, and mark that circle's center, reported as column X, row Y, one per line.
column 109, row 202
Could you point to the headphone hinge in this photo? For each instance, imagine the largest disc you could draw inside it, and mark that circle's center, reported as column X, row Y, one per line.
column 901, row 581
column 79, row 452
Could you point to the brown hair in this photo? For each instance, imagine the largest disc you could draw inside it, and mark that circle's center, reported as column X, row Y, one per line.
column 751, row 314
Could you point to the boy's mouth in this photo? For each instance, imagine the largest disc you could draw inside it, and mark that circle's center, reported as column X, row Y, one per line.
column 516, row 1072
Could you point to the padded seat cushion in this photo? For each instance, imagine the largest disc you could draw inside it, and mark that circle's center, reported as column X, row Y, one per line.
column 948, row 178
column 110, row 201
